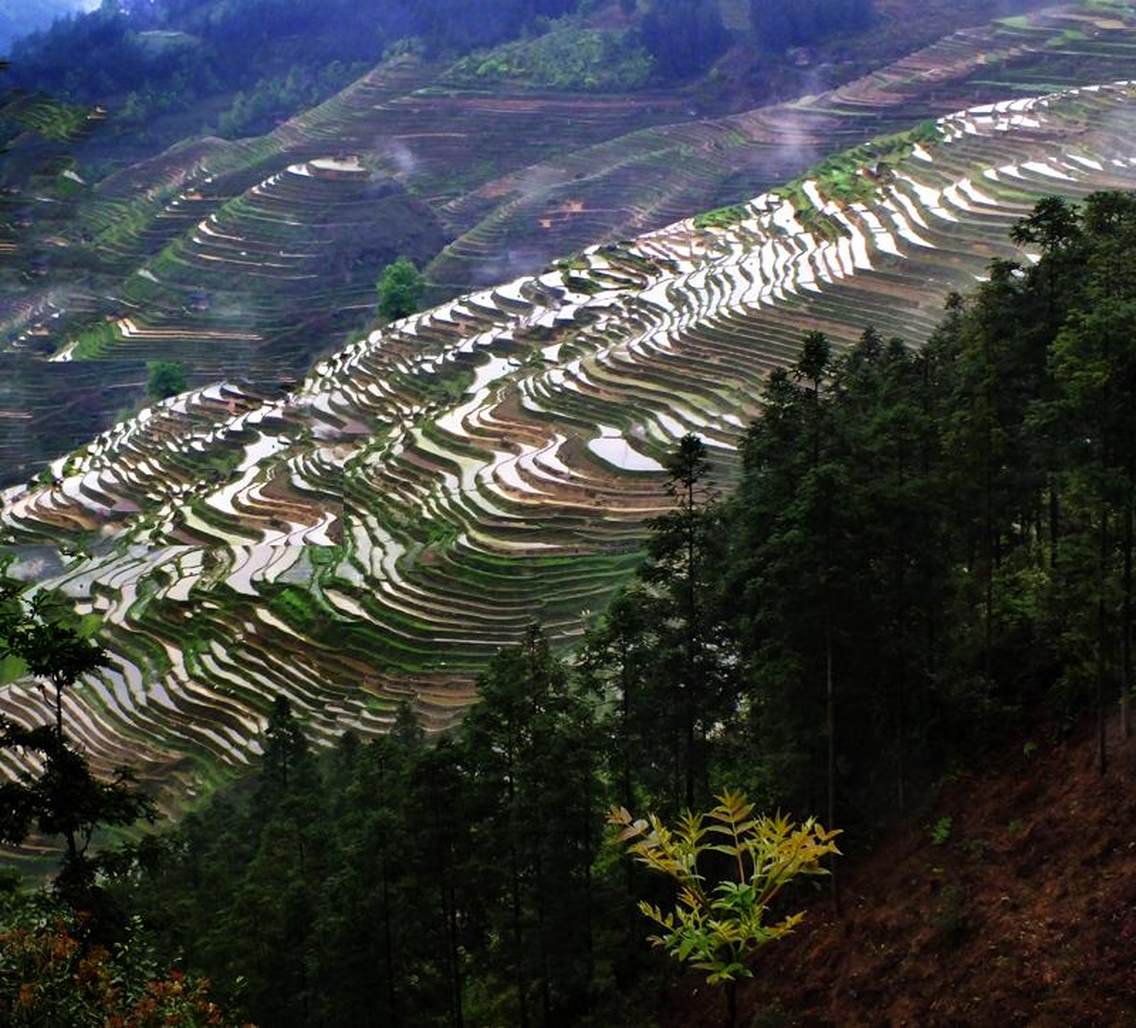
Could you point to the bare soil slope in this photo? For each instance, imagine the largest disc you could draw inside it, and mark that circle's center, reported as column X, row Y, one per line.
column 1025, row 915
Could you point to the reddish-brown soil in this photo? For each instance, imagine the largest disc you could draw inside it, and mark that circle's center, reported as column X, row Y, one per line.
column 1025, row 915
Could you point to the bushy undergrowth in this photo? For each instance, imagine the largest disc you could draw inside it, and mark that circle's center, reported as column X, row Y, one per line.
column 567, row 57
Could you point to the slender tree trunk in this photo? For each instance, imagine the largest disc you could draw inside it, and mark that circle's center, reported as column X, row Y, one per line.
column 518, row 940
column 829, row 687
column 691, row 645
column 731, row 1004
column 515, row 899
column 830, row 719
column 58, row 712
column 589, row 859
column 988, row 516
column 988, row 603
column 900, row 599
column 388, row 933
column 900, row 731
column 1126, row 633
column 456, row 1016
column 1102, row 709
column 542, row 935
column 388, row 942
column 625, row 723
column 1054, row 522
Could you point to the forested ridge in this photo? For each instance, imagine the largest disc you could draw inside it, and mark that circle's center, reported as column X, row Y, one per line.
column 925, row 548
column 272, row 58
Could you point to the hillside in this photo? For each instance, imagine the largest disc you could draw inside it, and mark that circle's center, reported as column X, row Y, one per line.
column 106, row 264
column 379, row 531
column 1024, row 914
column 19, row 17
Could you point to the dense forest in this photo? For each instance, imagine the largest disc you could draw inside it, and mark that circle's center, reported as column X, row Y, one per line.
column 779, row 24
column 21, row 17
column 924, row 548
column 271, row 58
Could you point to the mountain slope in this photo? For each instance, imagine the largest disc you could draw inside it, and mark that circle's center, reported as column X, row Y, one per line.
column 19, row 17
column 379, row 531
column 1025, row 914
column 480, row 184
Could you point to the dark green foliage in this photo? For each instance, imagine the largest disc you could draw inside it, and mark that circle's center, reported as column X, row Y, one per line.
column 783, row 23
column 566, row 57
column 923, row 543
column 398, row 877
column 683, row 36
column 63, row 800
column 272, row 97
column 170, row 53
column 164, row 379
column 19, row 17
column 400, row 289
column 721, row 217
column 52, row 975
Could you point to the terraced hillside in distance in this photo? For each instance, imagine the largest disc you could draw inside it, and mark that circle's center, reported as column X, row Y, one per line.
column 247, row 259
column 375, row 533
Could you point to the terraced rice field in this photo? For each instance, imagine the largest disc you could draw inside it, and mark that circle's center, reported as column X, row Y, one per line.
column 247, row 259
column 375, row 533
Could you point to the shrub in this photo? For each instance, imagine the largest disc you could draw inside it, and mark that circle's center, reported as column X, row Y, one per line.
column 400, row 289
column 716, row 928
column 166, row 378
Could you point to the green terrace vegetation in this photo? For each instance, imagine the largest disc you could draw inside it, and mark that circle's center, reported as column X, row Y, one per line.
column 165, row 379
column 722, row 217
column 51, row 119
column 852, row 176
column 489, row 476
column 855, row 175
column 566, row 57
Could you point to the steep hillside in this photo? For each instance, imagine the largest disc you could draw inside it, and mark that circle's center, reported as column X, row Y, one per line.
column 19, row 17
column 1023, row 913
column 380, row 530
column 229, row 256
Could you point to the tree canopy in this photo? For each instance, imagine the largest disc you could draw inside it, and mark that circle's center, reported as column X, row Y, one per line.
column 165, row 379
column 400, row 289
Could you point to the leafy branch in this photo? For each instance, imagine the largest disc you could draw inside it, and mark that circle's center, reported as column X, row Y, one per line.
column 716, row 927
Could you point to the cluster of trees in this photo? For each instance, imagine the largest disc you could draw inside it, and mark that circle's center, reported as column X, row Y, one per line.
column 567, row 57
column 400, row 288
column 422, row 884
column 783, row 23
column 683, row 36
column 273, row 97
column 72, row 956
column 19, row 17
column 165, row 379
column 170, row 53
column 923, row 545
column 280, row 56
